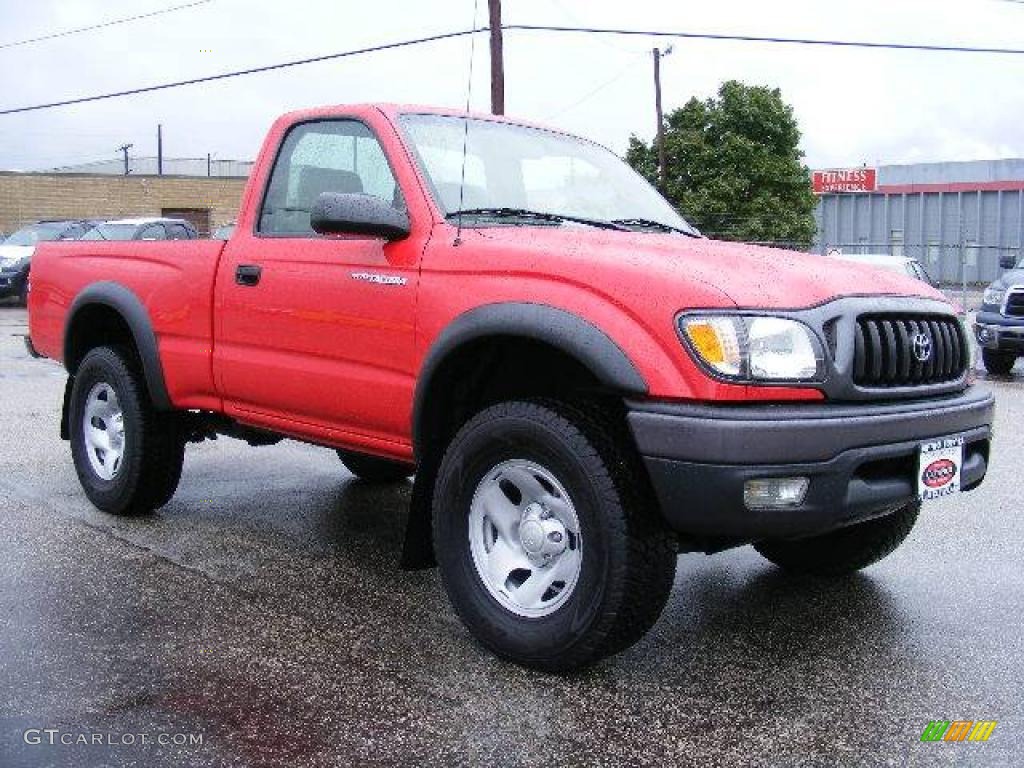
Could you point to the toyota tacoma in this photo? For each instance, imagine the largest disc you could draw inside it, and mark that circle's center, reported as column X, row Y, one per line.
column 582, row 384
column 999, row 324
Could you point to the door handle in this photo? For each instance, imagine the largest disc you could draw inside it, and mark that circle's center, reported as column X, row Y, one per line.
column 248, row 274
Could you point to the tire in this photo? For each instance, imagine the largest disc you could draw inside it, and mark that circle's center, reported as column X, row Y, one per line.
column 845, row 550
column 153, row 443
column 373, row 469
column 999, row 363
column 23, row 295
column 621, row 557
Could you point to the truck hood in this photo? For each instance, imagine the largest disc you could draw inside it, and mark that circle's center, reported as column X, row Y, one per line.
column 1010, row 277
column 751, row 276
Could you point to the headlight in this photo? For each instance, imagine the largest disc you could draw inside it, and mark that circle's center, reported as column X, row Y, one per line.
column 750, row 348
column 993, row 295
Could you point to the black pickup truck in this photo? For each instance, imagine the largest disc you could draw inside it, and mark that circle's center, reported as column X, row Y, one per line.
column 999, row 325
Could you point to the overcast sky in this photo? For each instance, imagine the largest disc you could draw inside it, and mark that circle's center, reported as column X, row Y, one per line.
column 853, row 106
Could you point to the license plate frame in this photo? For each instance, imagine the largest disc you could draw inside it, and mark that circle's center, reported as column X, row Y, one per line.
column 939, row 467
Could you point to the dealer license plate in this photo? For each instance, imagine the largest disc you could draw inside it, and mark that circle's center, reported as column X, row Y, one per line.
column 939, row 468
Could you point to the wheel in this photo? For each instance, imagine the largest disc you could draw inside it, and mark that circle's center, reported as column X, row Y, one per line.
column 128, row 455
column 373, row 469
column 23, row 294
column 845, row 550
column 999, row 363
column 549, row 544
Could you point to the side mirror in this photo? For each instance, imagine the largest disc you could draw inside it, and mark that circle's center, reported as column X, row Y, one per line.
column 336, row 213
column 1007, row 261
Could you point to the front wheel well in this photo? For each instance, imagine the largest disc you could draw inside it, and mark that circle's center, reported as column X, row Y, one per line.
column 494, row 369
column 474, row 376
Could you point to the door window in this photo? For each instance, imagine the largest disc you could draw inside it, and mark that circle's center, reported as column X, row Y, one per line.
column 153, row 232
column 323, row 156
column 74, row 232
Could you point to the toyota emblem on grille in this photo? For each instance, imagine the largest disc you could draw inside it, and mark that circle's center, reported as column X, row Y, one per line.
column 921, row 343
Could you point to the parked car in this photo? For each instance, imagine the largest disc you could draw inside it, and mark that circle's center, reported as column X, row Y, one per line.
column 143, row 229
column 582, row 384
column 17, row 248
column 903, row 264
column 223, row 232
column 999, row 324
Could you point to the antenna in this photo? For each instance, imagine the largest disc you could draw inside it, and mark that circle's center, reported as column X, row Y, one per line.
column 465, row 128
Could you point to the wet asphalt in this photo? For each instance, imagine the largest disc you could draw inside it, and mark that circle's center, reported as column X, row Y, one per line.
column 263, row 611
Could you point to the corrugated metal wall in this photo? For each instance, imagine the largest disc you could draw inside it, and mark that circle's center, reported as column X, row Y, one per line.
column 934, row 227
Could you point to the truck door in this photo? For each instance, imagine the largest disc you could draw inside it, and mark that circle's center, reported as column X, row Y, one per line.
column 314, row 335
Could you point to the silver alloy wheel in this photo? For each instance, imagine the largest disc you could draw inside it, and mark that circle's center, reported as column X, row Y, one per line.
column 103, row 431
column 524, row 537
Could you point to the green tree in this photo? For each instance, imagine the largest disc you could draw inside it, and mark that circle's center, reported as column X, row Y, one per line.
column 734, row 166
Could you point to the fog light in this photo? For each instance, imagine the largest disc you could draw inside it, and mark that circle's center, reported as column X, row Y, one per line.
column 984, row 334
column 775, row 492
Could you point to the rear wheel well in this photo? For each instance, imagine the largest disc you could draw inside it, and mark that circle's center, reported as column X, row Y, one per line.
column 97, row 325
column 94, row 325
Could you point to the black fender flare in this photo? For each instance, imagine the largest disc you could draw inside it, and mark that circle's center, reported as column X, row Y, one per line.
column 561, row 329
column 133, row 311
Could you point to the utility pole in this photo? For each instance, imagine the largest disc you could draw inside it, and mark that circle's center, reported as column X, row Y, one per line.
column 497, row 59
column 124, row 148
column 660, row 135
column 159, row 150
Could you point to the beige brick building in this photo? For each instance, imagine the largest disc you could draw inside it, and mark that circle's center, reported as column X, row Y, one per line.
column 206, row 201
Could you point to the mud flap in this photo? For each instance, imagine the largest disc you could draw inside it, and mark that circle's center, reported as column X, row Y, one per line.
column 65, row 431
column 418, row 548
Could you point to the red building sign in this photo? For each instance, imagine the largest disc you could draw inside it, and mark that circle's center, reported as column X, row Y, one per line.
column 844, row 180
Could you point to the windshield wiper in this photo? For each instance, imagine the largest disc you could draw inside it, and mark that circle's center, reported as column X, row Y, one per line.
column 652, row 224
column 524, row 213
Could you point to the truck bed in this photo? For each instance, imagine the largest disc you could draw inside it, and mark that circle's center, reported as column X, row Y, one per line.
column 174, row 280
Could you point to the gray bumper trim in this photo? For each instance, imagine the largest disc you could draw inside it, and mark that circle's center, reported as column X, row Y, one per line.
column 785, row 434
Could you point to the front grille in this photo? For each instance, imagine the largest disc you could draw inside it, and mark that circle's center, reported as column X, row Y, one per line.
column 1015, row 303
column 896, row 350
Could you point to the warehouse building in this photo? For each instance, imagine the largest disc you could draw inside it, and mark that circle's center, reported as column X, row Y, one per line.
column 962, row 219
column 207, row 201
column 140, row 165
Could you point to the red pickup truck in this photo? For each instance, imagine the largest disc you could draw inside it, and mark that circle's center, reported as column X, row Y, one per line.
column 582, row 384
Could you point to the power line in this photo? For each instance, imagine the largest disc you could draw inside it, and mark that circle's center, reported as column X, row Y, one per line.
column 759, row 39
column 111, row 23
column 524, row 28
column 241, row 72
column 591, row 93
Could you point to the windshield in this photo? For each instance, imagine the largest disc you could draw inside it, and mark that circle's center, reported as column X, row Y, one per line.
column 515, row 167
column 111, row 232
column 36, row 233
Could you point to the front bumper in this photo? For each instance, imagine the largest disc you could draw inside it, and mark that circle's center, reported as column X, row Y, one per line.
column 861, row 460
column 11, row 283
column 999, row 332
